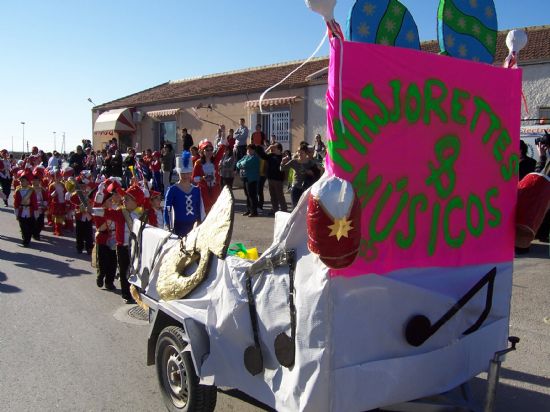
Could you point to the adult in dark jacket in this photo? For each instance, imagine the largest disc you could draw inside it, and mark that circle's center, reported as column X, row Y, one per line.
column 187, row 140
column 275, row 177
column 526, row 164
column 167, row 164
column 116, row 164
column 76, row 161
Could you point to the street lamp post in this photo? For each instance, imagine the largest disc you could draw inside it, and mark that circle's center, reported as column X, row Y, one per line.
column 23, row 124
column 54, row 142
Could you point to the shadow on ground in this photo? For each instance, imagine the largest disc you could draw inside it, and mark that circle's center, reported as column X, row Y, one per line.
column 63, row 251
column 7, row 288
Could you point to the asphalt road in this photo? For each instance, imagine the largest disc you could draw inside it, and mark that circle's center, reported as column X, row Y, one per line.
column 66, row 345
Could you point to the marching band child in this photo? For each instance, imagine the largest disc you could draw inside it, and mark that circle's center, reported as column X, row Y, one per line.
column 80, row 201
column 105, row 240
column 183, row 205
column 70, row 186
column 154, row 166
column 25, row 207
column 57, row 202
column 156, row 213
column 123, row 218
column 41, row 200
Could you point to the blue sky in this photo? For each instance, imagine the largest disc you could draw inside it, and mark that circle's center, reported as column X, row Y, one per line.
column 57, row 53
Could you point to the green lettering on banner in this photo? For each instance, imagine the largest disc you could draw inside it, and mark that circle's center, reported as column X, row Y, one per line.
column 413, row 93
column 501, row 144
column 406, row 241
column 343, row 137
column 395, row 114
column 454, row 242
column 433, row 104
column 381, row 235
column 512, row 169
column 447, row 150
column 457, row 105
column 434, row 229
column 496, row 215
column 368, row 93
column 474, row 200
column 483, row 107
column 357, row 118
column 365, row 190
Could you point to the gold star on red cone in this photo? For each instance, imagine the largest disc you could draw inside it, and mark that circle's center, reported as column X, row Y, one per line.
column 340, row 228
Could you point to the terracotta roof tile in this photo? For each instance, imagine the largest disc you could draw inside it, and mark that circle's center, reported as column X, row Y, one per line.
column 260, row 78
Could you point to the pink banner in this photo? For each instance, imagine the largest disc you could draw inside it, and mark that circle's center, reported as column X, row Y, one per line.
column 431, row 145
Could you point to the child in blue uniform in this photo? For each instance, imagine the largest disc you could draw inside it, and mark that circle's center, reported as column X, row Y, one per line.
column 183, row 204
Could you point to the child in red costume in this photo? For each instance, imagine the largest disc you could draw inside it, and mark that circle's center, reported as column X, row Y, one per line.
column 105, row 240
column 123, row 218
column 155, row 211
column 80, row 201
column 57, row 203
column 70, row 186
column 206, row 172
column 42, row 200
column 25, row 207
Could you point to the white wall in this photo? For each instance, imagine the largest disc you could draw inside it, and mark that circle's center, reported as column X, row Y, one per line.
column 536, row 87
column 316, row 113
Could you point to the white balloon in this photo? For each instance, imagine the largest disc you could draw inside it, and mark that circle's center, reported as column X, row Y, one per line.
column 324, row 7
column 516, row 40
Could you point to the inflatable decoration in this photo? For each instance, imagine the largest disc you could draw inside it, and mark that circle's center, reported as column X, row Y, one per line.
column 210, row 238
column 391, row 278
column 515, row 41
column 533, row 203
column 334, row 222
column 467, row 29
column 386, row 22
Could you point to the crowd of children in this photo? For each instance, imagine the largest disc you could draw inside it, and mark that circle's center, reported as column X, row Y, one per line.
column 100, row 209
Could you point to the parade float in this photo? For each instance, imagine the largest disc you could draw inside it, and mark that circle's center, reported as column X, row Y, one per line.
column 391, row 279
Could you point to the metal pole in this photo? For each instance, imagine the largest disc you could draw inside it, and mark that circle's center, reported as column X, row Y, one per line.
column 23, row 123
column 493, row 375
column 54, row 142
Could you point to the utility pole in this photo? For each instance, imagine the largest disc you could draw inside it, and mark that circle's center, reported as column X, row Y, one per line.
column 23, row 148
column 54, row 142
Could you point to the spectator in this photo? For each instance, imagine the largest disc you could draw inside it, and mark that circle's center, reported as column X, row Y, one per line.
column 187, row 139
column 100, row 161
column 219, row 136
column 227, row 168
column 231, row 139
column 129, row 164
column 263, row 175
column 303, row 173
column 526, row 164
column 319, row 149
column 258, row 137
column 249, row 169
column 543, row 166
column 241, row 140
column 54, row 161
column 115, row 169
column 167, row 164
column 275, row 177
column 76, row 160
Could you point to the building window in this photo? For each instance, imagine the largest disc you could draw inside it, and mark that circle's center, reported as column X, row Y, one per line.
column 544, row 115
column 274, row 123
column 167, row 133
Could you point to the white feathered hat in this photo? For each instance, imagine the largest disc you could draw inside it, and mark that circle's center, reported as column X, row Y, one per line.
column 184, row 163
